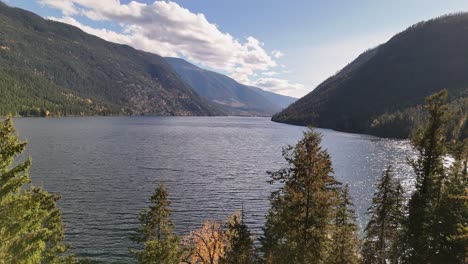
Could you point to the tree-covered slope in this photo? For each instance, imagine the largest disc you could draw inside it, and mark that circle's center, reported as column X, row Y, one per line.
column 236, row 98
column 390, row 79
column 47, row 66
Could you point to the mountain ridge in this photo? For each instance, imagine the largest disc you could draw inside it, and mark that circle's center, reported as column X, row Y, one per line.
column 48, row 67
column 395, row 76
column 234, row 97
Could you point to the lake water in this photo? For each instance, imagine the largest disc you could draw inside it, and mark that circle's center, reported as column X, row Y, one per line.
column 106, row 168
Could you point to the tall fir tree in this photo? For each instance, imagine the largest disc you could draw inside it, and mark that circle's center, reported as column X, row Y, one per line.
column 299, row 221
column 422, row 236
column 345, row 233
column 383, row 231
column 156, row 234
column 239, row 247
column 452, row 214
column 31, row 227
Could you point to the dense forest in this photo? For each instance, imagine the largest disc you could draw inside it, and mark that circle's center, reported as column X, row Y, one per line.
column 51, row 68
column 311, row 218
column 382, row 91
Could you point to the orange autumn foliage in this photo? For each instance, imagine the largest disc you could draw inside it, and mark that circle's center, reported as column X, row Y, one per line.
column 205, row 245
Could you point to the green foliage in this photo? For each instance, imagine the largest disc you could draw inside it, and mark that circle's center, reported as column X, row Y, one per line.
column 300, row 218
column 239, row 244
column 429, row 142
column 28, row 95
column 434, row 214
column 401, row 124
column 379, row 91
column 156, row 233
column 346, row 243
column 31, row 228
column 383, row 231
column 452, row 213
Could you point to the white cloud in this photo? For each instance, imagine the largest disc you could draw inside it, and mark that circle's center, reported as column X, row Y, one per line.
column 277, row 54
column 134, row 40
column 270, row 73
column 280, row 86
column 167, row 29
column 67, row 7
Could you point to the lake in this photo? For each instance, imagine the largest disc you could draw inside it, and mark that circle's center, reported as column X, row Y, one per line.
column 106, row 168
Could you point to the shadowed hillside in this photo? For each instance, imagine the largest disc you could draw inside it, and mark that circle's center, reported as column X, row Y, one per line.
column 386, row 85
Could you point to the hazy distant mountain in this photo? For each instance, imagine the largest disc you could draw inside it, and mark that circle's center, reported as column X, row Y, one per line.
column 380, row 91
column 236, row 98
column 50, row 66
column 282, row 100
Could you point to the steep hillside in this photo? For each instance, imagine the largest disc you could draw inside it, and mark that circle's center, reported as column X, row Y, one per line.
column 389, row 79
column 48, row 67
column 236, row 98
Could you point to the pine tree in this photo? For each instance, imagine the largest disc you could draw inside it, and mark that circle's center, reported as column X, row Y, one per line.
column 345, row 237
column 31, row 228
column 382, row 233
column 430, row 144
column 452, row 215
column 239, row 244
column 399, row 219
column 299, row 220
column 156, row 233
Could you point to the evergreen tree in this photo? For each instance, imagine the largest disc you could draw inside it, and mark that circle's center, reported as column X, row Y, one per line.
column 156, row 233
column 299, row 221
column 31, row 228
column 422, row 236
column 239, row 245
column 399, row 223
column 345, row 237
column 452, row 214
column 382, row 233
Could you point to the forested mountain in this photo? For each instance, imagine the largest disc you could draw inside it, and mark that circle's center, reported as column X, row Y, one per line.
column 48, row 67
column 381, row 92
column 236, row 98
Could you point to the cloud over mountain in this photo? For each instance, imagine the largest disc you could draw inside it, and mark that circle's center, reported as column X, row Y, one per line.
column 168, row 29
column 276, row 85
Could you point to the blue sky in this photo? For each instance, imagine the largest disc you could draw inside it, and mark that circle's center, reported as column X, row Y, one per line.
column 242, row 38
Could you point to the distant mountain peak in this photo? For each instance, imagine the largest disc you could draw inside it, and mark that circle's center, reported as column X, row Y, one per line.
column 230, row 95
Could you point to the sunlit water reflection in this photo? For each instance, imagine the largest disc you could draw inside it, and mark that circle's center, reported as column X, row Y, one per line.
column 106, row 168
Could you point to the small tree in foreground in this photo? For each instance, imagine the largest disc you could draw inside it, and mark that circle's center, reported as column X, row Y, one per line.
column 31, row 228
column 156, row 233
column 345, row 246
column 239, row 244
column 384, row 227
column 205, row 245
column 299, row 222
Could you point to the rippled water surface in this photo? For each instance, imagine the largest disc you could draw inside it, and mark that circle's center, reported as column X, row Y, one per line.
column 106, row 168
